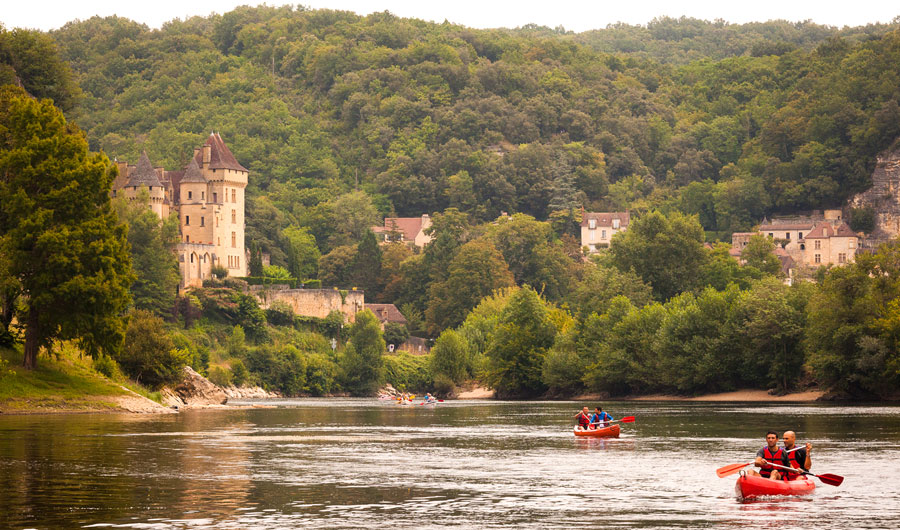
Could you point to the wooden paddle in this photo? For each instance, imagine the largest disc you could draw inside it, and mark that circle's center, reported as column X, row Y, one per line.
column 626, row 419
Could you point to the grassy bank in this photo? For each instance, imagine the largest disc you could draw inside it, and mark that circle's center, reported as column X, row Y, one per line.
column 63, row 382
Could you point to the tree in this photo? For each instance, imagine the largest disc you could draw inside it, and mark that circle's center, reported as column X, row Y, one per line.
column 760, row 254
column 155, row 266
column 353, row 214
column 395, row 333
column 302, row 252
column 33, row 60
column 366, row 266
column 520, row 344
column 255, row 267
column 363, row 362
column 150, row 356
column 449, row 357
column 665, row 251
column 59, row 231
column 476, row 271
column 334, row 267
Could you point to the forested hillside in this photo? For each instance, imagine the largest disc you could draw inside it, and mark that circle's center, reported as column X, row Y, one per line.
column 726, row 121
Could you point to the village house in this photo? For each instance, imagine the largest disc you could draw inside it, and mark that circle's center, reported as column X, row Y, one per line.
column 597, row 229
column 410, row 230
column 208, row 196
column 812, row 241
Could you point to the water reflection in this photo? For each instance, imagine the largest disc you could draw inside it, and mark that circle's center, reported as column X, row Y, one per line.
column 324, row 463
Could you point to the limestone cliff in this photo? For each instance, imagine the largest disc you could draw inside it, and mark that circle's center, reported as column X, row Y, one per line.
column 884, row 195
column 194, row 390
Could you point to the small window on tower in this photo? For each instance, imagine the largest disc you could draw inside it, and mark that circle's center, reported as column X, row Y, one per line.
column 233, row 216
column 190, row 193
column 202, row 221
column 233, row 196
column 187, row 220
column 215, row 197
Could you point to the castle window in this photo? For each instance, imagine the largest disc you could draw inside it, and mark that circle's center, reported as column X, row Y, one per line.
column 802, row 246
column 233, row 239
column 202, row 195
column 603, row 234
column 233, row 216
column 615, row 224
column 799, row 235
column 233, row 196
column 237, row 262
column 187, row 220
column 215, row 197
column 192, row 258
column 818, row 244
column 818, row 257
column 592, row 223
column 787, row 235
column 202, row 221
column 187, row 239
column 190, row 193
column 842, row 258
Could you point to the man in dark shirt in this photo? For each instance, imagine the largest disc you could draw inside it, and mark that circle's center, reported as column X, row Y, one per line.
column 797, row 457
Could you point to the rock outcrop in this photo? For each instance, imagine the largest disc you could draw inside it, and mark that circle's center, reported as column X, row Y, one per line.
column 194, row 390
column 884, row 195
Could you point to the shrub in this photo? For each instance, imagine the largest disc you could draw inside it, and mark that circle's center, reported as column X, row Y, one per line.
column 149, row 355
column 219, row 272
column 411, row 372
column 220, row 376
column 282, row 370
column 395, row 334
column 239, row 373
column 321, row 374
column 107, row 366
column 443, row 386
column 280, row 313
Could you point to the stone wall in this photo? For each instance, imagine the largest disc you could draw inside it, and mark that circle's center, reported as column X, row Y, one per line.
column 314, row 302
column 884, row 195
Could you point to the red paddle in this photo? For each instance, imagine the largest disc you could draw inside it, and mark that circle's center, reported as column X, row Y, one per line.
column 827, row 478
column 626, row 419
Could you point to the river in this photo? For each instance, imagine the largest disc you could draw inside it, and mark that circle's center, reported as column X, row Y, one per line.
column 472, row 464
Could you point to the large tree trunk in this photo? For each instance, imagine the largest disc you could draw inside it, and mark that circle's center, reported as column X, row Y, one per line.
column 32, row 342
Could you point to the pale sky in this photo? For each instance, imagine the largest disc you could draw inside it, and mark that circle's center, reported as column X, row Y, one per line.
column 576, row 15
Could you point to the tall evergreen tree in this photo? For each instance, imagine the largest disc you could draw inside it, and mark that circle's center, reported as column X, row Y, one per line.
column 363, row 361
column 59, row 231
column 366, row 268
column 256, row 264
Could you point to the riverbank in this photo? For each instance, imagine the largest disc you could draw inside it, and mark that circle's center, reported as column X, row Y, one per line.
column 735, row 396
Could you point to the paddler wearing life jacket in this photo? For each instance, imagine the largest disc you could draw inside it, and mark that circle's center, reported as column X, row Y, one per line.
column 599, row 416
column 770, row 454
column 797, row 457
column 584, row 419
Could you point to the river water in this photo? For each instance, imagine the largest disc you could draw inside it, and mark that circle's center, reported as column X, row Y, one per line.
column 472, row 464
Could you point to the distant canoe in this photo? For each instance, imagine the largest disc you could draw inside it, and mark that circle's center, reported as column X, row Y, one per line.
column 606, row 432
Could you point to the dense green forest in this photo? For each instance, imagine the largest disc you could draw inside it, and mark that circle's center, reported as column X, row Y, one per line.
column 698, row 128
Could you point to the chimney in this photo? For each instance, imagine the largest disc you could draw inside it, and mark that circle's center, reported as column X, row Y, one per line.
column 207, row 152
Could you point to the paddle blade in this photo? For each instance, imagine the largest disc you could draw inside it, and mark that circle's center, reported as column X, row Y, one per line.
column 730, row 469
column 832, row 480
column 627, row 419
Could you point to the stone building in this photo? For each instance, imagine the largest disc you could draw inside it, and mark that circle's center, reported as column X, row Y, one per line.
column 813, row 241
column 208, row 197
column 410, row 230
column 597, row 229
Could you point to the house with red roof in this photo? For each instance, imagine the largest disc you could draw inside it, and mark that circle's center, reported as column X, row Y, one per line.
column 598, row 228
column 409, row 230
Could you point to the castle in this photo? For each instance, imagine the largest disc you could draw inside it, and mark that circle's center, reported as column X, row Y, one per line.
column 208, row 196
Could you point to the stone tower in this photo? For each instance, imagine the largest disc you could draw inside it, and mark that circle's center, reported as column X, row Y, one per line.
column 145, row 175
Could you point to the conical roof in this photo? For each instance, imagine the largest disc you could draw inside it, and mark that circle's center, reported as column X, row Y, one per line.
column 193, row 173
column 220, row 157
column 144, row 174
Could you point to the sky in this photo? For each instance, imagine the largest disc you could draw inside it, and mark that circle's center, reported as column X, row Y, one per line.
column 574, row 15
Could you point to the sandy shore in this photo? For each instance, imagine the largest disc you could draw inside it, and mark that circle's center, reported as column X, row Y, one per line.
column 738, row 395
column 479, row 392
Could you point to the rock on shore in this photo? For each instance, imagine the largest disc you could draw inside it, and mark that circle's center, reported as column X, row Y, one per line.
column 194, row 390
column 249, row 392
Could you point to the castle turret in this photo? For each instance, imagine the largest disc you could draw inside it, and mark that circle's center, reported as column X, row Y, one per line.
column 197, row 220
column 144, row 175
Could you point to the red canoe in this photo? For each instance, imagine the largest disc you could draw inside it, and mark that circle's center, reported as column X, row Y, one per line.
column 749, row 487
column 606, row 432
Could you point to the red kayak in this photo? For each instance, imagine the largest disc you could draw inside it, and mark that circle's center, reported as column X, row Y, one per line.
column 606, row 432
column 749, row 487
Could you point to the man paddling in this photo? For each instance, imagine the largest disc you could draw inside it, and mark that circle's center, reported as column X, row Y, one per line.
column 797, row 457
column 770, row 454
column 601, row 416
column 584, row 419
